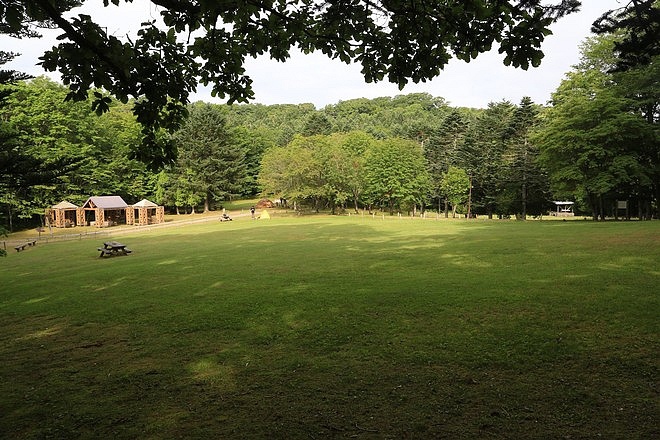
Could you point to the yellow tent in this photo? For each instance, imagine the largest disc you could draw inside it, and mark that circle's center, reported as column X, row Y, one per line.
column 264, row 214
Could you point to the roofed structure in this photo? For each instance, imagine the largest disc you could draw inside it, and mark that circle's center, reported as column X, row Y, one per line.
column 105, row 202
column 564, row 209
column 101, row 204
column 64, row 215
column 144, row 203
column 64, row 205
column 108, row 210
column 147, row 212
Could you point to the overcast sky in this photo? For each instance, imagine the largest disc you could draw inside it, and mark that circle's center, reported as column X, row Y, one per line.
column 315, row 78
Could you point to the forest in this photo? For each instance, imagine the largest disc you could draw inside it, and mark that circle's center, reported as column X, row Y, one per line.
column 595, row 143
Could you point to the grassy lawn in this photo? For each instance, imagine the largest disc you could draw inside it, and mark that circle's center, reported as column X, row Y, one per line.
column 323, row 327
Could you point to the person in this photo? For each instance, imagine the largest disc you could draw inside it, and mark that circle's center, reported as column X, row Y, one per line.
column 252, row 212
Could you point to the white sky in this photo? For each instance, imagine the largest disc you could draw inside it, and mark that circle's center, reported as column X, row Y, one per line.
column 317, row 79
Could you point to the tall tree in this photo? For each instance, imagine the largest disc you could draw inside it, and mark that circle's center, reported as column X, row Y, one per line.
column 591, row 142
column 47, row 141
column 210, row 158
column 481, row 156
column 455, row 185
column 286, row 172
column 638, row 23
column 441, row 148
column 522, row 174
column 206, row 41
column 397, row 174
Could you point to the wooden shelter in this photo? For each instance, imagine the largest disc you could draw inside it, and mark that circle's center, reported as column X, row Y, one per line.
column 65, row 215
column 145, row 212
column 108, row 210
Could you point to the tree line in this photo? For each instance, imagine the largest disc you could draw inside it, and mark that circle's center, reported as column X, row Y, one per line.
column 595, row 144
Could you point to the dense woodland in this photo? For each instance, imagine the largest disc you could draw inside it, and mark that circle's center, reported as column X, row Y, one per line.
column 595, row 143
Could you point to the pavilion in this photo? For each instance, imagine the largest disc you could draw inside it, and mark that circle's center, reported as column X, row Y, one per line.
column 147, row 213
column 564, row 209
column 107, row 210
column 65, row 215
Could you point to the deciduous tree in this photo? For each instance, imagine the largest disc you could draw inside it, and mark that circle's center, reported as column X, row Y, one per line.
column 206, row 41
column 591, row 141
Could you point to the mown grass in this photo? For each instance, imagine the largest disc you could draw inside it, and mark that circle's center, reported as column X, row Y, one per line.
column 336, row 328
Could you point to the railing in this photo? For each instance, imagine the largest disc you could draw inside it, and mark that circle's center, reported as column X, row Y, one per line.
column 52, row 238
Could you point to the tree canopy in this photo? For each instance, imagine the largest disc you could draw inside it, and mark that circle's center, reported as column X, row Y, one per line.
column 208, row 41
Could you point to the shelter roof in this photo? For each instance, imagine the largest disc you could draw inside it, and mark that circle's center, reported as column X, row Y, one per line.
column 144, row 203
column 64, row 205
column 563, row 203
column 105, row 202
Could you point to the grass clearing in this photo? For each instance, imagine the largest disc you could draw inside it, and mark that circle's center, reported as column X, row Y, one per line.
column 338, row 327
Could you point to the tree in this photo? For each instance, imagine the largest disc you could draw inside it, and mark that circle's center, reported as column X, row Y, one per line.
column 455, row 186
column 45, row 141
column 355, row 146
column 639, row 24
column 481, row 154
column 591, row 142
column 396, row 174
column 210, row 159
column 317, row 123
column 522, row 174
column 207, row 42
column 254, row 142
column 440, row 150
column 285, row 172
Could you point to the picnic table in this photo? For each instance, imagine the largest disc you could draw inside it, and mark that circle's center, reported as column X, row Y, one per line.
column 112, row 248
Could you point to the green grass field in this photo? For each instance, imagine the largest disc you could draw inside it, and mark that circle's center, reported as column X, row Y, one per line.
column 321, row 327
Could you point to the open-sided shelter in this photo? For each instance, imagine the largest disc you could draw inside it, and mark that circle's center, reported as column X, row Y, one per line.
column 564, row 209
column 65, row 215
column 107, row 210
column 147, row 213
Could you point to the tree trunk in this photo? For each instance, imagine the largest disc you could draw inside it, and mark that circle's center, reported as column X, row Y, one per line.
column 446, row 208
column 469, row 207
column 594, row 207
column 11, row 220
column 207, row 203
column 524, row 200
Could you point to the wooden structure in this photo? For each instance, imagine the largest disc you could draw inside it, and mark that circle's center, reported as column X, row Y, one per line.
column 108, row 210
column 564, row 209
column 65, row 215
column 145, row 212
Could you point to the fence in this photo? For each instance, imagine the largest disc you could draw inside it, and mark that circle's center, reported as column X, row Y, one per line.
column 50, row 238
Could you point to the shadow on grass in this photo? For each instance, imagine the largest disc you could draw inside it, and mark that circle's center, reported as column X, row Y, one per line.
column 331, row 330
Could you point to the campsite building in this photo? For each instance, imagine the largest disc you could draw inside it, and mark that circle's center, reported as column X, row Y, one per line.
column 103, row 211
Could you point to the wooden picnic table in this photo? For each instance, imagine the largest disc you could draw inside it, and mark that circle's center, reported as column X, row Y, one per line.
column 112, row 248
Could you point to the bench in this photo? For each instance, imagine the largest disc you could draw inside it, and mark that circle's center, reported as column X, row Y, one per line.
column 21, row 247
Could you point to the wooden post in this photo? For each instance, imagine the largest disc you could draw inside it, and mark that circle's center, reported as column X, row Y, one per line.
column 80, row 217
